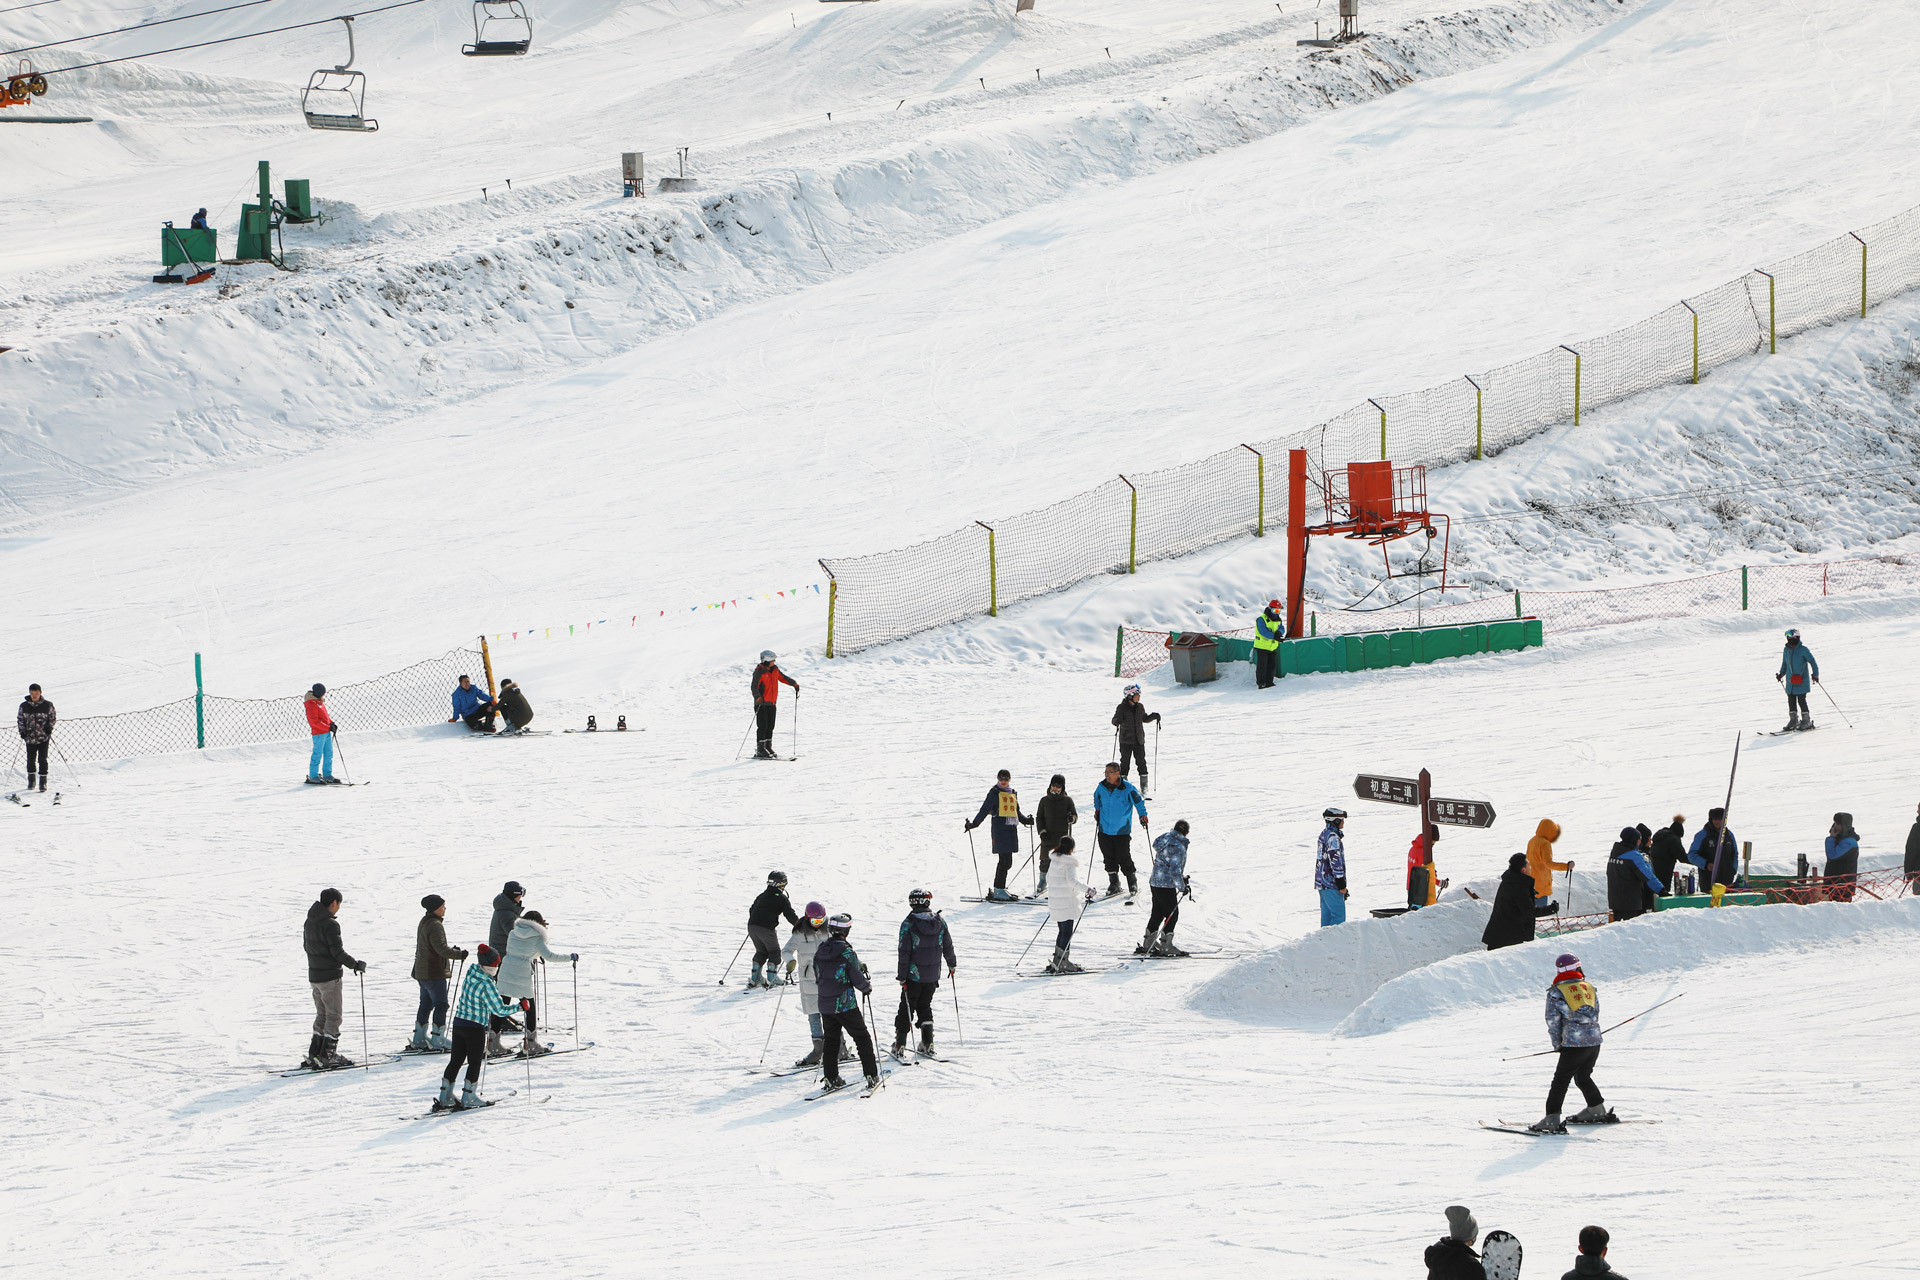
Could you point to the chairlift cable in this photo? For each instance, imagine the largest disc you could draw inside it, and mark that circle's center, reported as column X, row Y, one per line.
column 139, row 26
column 35, row 5
column 252, row 35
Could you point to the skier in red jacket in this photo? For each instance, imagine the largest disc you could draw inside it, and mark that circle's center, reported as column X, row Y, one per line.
column 765, row 683
column 320, row 724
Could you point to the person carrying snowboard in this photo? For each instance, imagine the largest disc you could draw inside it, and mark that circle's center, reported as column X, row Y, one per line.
column 526, row 944
column 1573, row 1028
column 924, row 942
column 35, row 721
column 479, row 1006
column 1799, row 673
column 430, row 970
column 1053, row 820
column 842, row 980
column 1002, row 807
column 1268, row 630
column 1067, row 897
column 803, row 944
column 320, row 724
column 1452, row 1256
column 1631, row 884
column 1330, row 868
column 1168, row 884
column 1130, row 719
column 1843, row 858
column 473, row 707
column 1512, row 920
column 514, row 706
column 765, row 683
column 1115, row 801
column 763, row 917
column 327, row 961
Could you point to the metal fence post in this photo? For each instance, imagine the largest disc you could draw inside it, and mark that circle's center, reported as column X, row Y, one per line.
column 1863, row 275
column 1383, row 428
column 1516, row 603
column 1696, row 340
column 1773, row 315
column 993, row 573
column 1743, row 588
column 1133, row 523
column 199, row 705
column 1260, row 471
column 1576, row 381
column 833, row 601
column 1479, row 421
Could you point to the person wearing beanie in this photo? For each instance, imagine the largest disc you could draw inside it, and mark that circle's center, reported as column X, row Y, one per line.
column 526, row 945
column 1512, row 920
column 480, row 1004
column 35, row 721
column 1631, row 884
column 514, row 706
column 1001, row 808
column 1452, row 1256
column 1573, row 1028
column 1668, row 852
column 430, row 970
column 1715, row 853
column 327, row 962
column 763, row 917
column 1053, row 820
column 1167, row 882
column 321, row 726
column 1115, row 801
column 506, row 910
column 924, row 943
column 803, row 944
column 842, row 979
column 1843, row 858
column 1593, row 1256
column 1268, row 629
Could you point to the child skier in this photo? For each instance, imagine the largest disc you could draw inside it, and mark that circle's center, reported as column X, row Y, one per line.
column 1330, row 868
column 1067, row 897
column 763, row 917
column 1168, row 883
column 842, row 980
column 1002, row 805
column 803, row 944
column 1053, row 820
column 479, row 1004
column 1799, row 673
column 1573, row 1027
column 924, row 942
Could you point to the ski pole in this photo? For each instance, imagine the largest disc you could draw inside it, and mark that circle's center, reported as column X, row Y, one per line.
column 1823, row 689
column 365, row 1065
column 736, row 960
column 1156, row 748
column 976, row 864
column 742, row 749
column 770, row 1026
column 1615, row 1027
column 955, row 980
column 576, row 1004
column 342, row 753
column 1016, row 964
column 873, row 1032
column 796, row 724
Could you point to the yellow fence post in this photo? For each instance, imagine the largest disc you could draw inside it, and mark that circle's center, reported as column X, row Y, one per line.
column 1479, row 423
column 1773, row 316
column 833, row 600
column 1383, row 428
column 1133, row 523
column 1863, row 275
column 993, row 573
column 1696, row 339
column 1576, row 381
column 1260, row 475
column 486, row 664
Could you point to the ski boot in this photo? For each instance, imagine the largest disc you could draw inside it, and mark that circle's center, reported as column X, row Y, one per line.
column 813, row 1059
column 1146, row 944
column 316, row 1054
column 1040, row 890
column 1060, row 963
column 1793, row 722
column 469, row 1098
column 1806, row 722
column 899, row 1050
column 1165, row 947
column 419, row 1041
column 926, row 1042
column 1113, row 883
column 999, row 894
column 754, row 979
column 330, row 780
column 1133, row 887
column 832, row 1086
column 531, row 1048
column 847, row 1052
column 873, row 1081
column 440, row 1043
column 315, row 782
column 445, row 1101
column 1599, row 1113
column 1549, row 1123
column 335, row 1058
column 496, row 1047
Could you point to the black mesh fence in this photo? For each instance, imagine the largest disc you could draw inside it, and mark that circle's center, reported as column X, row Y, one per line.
column 1128, row 521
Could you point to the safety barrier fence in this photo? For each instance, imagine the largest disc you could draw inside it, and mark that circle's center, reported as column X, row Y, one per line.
column 1159, row 514
column 417, row 695
column 1730, row 591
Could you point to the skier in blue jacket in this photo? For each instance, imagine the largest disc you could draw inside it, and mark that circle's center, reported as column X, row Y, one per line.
column 1843, row 858
column 1799, row 673
column 1330, row 868
column 1715, row 852
column 473, row 706
column 1115, row 801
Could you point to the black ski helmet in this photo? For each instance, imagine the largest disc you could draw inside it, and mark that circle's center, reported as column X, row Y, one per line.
column 1332, row 814
column 777, row 878
column 840, row 924
column 920, row 899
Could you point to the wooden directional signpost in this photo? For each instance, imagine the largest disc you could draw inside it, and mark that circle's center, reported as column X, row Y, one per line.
column 1435, row 811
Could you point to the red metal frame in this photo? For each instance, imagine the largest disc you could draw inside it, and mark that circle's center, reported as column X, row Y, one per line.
column 1374, row 501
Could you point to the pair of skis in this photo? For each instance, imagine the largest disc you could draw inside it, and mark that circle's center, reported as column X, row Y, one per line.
column 1510, row 1126
column 27, row 804
column 482, row 1105
column 866, row 1092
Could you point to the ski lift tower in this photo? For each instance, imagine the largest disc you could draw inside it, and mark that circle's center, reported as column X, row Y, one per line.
column 1349, row 32
column 1375, row 502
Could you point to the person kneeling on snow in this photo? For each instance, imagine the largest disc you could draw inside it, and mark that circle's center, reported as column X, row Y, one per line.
column 473, row 707
column 526, row 944
column 514, row 706
column 479, row 1005
column 1573, row 1027
column 1452, row 1256
column 1168, row 883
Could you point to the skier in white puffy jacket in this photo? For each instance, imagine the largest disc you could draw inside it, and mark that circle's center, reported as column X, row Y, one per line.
column 801, row 946
column 526, row 944
column 1067, row 897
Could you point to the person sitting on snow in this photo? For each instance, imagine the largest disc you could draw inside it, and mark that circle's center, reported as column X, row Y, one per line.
column 473, row 706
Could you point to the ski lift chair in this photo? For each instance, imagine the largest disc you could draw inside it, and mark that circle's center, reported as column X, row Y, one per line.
column 336, row 100
column 493, row 19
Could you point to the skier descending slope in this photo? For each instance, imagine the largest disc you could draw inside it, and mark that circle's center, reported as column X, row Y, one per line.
column 479, row 1004
column 1573, row 1026
column 1167, row 882
column 1002, row 808
column 1330, row 868
column 924, row 942
column 326, row 961
column 763, row 917
column 1067, row 897
column 765, row 684
column 1115, row 801
column 1798, row 672
column 842, row 981
column 803, row 944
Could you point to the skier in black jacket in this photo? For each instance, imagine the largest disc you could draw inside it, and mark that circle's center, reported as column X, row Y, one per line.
column 1053, row 820
column 924, row 942
column 35, row 720
column 763, row 917
column 514, row 706
column 1130, row 718
column 327, row 960
column 1512, row 920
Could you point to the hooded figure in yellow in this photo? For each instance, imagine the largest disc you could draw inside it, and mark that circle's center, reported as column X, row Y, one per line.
column 1540, row 861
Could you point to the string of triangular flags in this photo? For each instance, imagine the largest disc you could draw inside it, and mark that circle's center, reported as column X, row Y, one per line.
column 633, row 620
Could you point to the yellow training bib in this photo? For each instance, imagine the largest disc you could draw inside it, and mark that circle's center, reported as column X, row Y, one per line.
column 1578, row 995
column 1009, row 804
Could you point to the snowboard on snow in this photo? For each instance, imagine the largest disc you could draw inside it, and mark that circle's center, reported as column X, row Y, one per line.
column 1500, row 1255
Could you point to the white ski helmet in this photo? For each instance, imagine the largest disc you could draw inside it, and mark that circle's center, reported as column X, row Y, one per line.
column 1333, row 815
column 840, row 923
column 768, row 655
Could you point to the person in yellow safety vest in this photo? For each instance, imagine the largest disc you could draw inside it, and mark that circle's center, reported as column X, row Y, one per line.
column 1267, row 630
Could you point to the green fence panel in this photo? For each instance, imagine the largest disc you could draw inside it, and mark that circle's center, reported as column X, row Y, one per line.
column 1226, row 650
column 1379, row 655
column 1533, row 633
column 1506, row 636
column 1473, row 639
column 1403, row 648
column 1439, row 642
column 1305, row 656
